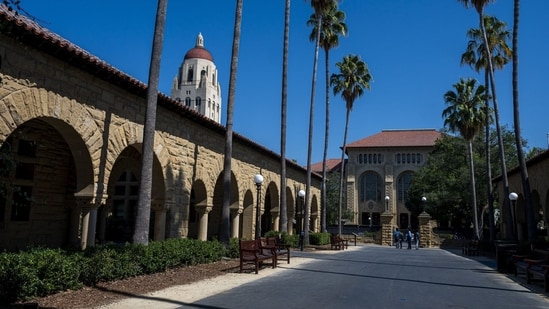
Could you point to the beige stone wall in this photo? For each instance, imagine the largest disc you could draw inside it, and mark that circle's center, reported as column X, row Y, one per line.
column 98, row 120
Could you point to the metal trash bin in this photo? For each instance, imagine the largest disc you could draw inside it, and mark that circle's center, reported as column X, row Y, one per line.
column 504, row 251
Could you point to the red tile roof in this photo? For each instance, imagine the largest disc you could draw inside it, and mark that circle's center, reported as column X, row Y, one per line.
column 331, row 166
column 399, row 138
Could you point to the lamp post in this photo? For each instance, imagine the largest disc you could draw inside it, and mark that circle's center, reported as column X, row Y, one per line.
column 513, row 197
column 301, row 195
column 387, row 198
column 423, row 200
column 258, row 179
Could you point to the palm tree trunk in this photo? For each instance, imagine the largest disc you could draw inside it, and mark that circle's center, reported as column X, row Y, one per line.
column 326, row 136
column 530, row 216
column 489, row 186
column 342, row 172
column 283, row 205
column 310, row 143
column 473, row 188
column 224, row 232
column 142, row 220
column 506, row 205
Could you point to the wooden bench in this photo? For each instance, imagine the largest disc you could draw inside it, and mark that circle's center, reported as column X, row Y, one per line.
column 470, row 247
column 338, row 243
column 251, row 252
column 279, row 248
column 537, row 258
column 537, row 271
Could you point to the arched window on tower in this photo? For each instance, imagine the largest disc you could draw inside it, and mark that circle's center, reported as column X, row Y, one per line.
column 188, row 102
column 190, row 74
column 198, row 103
column 213, row 79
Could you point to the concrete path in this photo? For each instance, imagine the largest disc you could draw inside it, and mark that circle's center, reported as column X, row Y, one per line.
column 367, row 276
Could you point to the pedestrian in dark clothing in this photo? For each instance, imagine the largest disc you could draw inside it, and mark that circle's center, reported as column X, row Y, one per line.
column 409, row 238
column 416, row 239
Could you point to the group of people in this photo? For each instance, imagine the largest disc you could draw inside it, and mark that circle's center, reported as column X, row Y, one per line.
column 411, row 237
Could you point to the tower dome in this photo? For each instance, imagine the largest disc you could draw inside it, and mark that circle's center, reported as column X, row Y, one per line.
column 199, row 51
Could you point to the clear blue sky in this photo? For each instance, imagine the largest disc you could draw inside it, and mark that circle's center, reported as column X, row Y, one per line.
column 412, row 48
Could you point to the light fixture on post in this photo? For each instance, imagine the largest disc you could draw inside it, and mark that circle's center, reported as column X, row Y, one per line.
column 387, row 198
column 513, row 197
column 301, row 195
column 423, row 200
column 258, row 179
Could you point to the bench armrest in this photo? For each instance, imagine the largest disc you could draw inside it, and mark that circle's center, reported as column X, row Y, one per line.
column 533, row 262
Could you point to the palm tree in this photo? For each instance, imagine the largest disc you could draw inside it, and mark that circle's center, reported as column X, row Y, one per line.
column 318, row 7
column 141, row 228
column 479, row 7
column 475, row 57
column 465, row 114
column 530, row 218
column 224, row 232
column 352, row 79
column 283, row 206
column 332, row 27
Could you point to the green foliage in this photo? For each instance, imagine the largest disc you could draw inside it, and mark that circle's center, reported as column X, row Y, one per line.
column 234, row 248
column 319, row 239
column 41, row 271
column 444, row 179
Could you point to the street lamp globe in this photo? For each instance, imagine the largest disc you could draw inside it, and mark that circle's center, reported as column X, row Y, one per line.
column 513, row 196
column 301, row 193
column 424, row 199
column 258, row 179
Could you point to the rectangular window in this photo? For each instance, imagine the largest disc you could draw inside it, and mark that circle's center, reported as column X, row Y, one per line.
column 20, row 208
column 26, row 148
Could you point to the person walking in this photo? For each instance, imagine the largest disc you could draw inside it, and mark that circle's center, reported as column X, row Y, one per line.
column 416, row 238
column 409, row 238
column 396, row 238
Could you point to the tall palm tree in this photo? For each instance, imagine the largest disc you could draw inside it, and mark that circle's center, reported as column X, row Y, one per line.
column 530, row 217
column 352, row 79
column 283, row 205
column 224, row 232
column 141, row 228
column 479, row 7
column 318, row 7
column 465, row 114
column 475, row 56
column 332, row 27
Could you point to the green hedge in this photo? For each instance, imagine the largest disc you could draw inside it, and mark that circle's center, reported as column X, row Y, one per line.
column 42, row 271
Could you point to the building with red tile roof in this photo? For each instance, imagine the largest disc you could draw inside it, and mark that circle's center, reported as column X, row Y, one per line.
column 379, row 169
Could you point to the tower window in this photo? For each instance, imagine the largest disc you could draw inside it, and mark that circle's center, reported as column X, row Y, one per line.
column 188, row 102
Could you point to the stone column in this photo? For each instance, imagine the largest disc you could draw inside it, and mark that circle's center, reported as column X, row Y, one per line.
column 276, row 220
column 425, row 230
column 235, row 221
column 89, row 220
column 386, row 229
column 159, row 219
column 103, row 212
column 203, row 211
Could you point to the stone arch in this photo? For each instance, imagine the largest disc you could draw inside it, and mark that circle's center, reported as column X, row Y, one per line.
column 247, row 219
column 71, row 119
column 290, row 210
column 271, row 208
column 198, row 203
column 214, row 218
column 315, row 214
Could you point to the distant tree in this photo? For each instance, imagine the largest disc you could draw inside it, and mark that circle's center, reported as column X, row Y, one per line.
column 351, row 81
column 142, row 220
column 224, row 232
column 283, row 199
column 525, row 180
column 464, row 114
column 476, row 57
column 332, row 27
column 479, row 6
column 318, row 7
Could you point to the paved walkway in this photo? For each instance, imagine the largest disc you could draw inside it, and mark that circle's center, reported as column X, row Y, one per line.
column 367, row 276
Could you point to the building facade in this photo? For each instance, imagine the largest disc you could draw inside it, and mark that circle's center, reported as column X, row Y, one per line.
column 196, row 84
column 379, row 170
column 71, row 131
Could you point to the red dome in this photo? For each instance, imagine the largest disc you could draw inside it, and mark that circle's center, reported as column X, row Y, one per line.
column 199, row 52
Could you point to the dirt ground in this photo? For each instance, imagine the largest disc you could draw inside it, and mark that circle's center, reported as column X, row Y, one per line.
column 109, row 292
